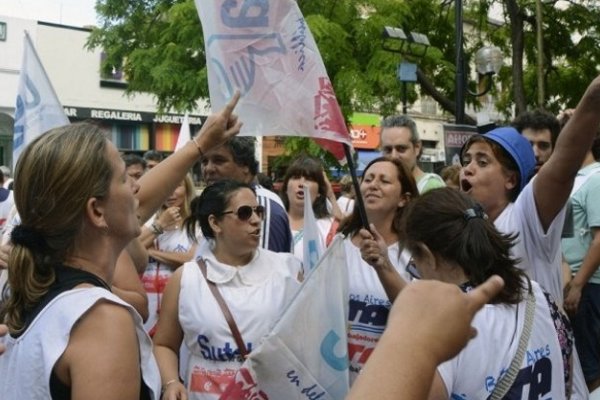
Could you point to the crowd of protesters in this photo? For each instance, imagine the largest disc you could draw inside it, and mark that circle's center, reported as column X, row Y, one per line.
column 115, row 273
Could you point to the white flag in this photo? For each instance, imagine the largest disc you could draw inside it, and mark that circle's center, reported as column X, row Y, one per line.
column 306, row 354
column 38, row 109
column 265, row 50
column 312, row 241
column 184, row 133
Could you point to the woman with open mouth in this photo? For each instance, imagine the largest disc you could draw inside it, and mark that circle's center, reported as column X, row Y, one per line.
column 221, row 305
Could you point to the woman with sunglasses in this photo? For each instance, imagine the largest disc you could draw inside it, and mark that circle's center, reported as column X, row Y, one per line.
column 386, row 188
column 255, row 284
column 452, row 240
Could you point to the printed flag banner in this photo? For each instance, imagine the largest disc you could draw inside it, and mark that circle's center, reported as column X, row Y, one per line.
column 38, row 109
column 265, row 50
column 184, row 133
column 305, row 357
column 312, row 241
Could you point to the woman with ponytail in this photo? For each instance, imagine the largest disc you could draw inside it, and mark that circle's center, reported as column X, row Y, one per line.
column 452, row 240
column 70, row 337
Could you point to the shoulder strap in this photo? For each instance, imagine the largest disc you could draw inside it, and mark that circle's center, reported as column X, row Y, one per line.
column 507, row 380
column 237, row 336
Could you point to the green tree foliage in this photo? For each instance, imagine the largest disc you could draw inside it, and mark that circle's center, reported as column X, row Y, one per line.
column 160, row 46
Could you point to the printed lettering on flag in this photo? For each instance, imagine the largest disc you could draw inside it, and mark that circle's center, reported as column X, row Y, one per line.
column 266, row 50
column 37, row 109
column 306, row 354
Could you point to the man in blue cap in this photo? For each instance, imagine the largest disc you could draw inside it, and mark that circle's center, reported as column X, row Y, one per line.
column 496, row 170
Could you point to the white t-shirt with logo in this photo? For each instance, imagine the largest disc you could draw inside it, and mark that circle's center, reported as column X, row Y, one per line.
column 256, row 294
column 157, row 275
column 474, row 372
column 369, row 304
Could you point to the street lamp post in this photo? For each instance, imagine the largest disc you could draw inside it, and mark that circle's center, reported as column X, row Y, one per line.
column 488, row 62
column 406, row 43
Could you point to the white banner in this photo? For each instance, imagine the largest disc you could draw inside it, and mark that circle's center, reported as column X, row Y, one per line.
column 265, row 49
column 38, row 109
column 184, row 133
column 305, row 357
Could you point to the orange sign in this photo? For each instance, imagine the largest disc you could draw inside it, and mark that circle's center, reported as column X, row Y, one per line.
column 364, row 136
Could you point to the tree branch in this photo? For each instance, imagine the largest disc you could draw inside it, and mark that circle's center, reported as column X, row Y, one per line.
column 447, row 104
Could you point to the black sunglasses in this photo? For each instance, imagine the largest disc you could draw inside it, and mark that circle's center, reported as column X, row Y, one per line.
column 244, row 213
column 412, row 270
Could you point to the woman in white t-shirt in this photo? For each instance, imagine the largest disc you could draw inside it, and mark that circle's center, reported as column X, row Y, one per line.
column 386, row 188
column 255, row 283
column 168, row 246
column 452, row 240
column 307, row 173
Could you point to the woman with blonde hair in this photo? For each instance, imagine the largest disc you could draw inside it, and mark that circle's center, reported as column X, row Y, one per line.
column 168, row 246
column 70, row 337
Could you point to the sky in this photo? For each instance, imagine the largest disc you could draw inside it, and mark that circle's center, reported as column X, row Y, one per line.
column 66, row 12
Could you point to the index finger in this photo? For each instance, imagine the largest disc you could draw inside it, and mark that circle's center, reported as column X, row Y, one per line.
column 485, row 292
column 233, row 102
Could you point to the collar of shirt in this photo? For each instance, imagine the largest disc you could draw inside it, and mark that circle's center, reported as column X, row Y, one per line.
column 251, row 274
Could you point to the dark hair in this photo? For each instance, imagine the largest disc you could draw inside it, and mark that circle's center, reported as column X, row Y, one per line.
column 133, row 159
column 311, row 169
column 265, row 181
column 440, row 219
column 213, row 200
column 353, row 223
column 242, row 150
column 505, row 160
column 153, row 155
column 402, row 121
column 538, row 120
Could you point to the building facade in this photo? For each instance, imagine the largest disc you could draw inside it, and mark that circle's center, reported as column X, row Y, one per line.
column 84, row 92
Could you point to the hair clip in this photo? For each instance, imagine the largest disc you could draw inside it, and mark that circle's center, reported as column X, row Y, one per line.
column 475, row 212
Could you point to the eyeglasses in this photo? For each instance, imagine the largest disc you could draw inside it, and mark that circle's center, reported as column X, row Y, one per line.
column 412, row 270
column 244, row 213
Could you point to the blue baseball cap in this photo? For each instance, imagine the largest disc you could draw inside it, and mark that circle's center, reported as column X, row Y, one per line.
column 517, row 147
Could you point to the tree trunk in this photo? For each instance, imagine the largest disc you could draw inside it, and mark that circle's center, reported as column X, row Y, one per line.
column 517, row 38
column 540, row 50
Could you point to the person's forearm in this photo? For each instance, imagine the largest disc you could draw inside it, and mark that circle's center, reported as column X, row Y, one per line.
column 398, row 368
column 147, row 237
column 138, row 254
column 158, row 183
column 168, row 363
column 391, row 280
column 170, row 258
column 577, row 136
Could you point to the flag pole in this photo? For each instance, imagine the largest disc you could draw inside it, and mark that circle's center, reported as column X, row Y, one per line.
column 358, row 197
